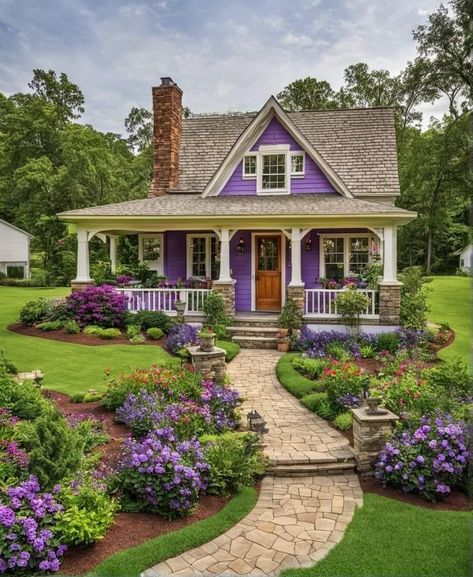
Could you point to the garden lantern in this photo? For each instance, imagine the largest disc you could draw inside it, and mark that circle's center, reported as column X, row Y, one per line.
column 255, row 422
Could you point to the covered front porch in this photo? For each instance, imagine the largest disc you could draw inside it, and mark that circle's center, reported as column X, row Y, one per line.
column 255, row 269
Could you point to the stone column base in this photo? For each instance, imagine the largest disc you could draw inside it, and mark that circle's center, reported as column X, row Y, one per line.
column 296, row 293
column 227, row 290
column 389, row 302
column 211, row 365
column 370, row 433
column 77, row 285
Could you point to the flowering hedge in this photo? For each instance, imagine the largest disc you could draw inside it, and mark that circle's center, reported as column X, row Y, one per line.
column 164, row 475
column 97, row 305
column 27, row 529
column 429, row 459
column 212, row 410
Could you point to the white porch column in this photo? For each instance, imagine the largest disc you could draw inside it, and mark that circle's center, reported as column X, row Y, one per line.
column 390, row 254
column 113, row 253
column 296, row 270
column 225, row 256
column 83, row 269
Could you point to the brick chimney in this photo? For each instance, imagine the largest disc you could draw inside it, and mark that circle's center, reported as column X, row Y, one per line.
column 167, row 124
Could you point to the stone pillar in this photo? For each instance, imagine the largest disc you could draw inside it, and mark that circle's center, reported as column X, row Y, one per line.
column 389, row 302
column 113, row 253
column 82, row 279
column 227, row 290
column 370, row 433
column 211, row 365
column 296, row 293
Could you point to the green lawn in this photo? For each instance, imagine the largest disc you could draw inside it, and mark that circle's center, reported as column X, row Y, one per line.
column 68, row 367
column 450, row 301
column 391, row 539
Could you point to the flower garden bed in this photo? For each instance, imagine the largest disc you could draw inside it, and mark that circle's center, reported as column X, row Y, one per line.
column 427, row 454
column 157, row 453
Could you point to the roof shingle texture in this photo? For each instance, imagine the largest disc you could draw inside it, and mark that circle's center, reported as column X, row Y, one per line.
column 184, row 205
column 358, row 144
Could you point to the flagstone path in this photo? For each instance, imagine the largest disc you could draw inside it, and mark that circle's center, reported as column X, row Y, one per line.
column 296, row 520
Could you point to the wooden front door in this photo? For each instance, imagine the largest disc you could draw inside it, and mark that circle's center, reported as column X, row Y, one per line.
column 268, row 273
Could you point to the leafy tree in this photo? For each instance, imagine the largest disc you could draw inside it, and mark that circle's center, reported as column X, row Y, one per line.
column 308, row 94
column 59, row 91
column 139, row 126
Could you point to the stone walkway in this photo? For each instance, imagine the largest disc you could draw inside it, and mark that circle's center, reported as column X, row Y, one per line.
column 297, row 520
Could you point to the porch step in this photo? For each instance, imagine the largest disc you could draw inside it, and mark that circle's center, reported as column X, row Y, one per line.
column 250, row 331
column 309, row 469
column 255, row 342
column 256, row 321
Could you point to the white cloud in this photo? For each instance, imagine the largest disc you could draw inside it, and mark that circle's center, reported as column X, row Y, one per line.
column 297, row 40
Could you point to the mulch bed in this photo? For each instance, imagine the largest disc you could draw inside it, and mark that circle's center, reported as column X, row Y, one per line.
column 129, row 529
column 78, row 339
column 456, row 501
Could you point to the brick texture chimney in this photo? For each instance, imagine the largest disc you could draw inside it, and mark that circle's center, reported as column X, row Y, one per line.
column 167, row 125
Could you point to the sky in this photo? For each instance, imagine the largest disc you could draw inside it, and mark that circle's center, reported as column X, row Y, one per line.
column 226, row 55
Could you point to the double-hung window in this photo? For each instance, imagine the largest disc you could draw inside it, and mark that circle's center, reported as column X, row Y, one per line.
column 203, row 256
column 151, row 251
column 345, row 255
column 273, row 166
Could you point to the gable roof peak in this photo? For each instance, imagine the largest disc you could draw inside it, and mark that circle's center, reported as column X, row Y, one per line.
column 253, row 131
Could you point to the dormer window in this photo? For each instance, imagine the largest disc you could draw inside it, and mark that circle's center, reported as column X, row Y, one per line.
column 273, row 166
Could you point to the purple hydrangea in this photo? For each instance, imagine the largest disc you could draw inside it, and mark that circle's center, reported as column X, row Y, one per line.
column 166, row 476
column 428, row 459
column 181, row 336
column 27, row 519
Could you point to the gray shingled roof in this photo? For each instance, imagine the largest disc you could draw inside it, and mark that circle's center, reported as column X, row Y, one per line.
column 297, row 204
column 359, row 145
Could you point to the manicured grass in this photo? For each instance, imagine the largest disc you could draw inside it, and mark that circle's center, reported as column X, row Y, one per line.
column 290, row 379
column 68, row 368
column 131, row 562
column 231, row 349
column 450, row 300
column 388, row 538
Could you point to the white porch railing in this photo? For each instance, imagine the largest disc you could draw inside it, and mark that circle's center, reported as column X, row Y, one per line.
column 163, row 299
column 321, row 303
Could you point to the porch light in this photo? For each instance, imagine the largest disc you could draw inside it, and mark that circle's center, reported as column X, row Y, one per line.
column 308, row 244
column 241, row 246
column 255, row 422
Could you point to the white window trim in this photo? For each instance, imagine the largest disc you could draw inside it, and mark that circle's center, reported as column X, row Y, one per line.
column 243, row 173
column 267, row 149
column 160, row 263
column 208, row 255
column 346, row 253
column 300, row 174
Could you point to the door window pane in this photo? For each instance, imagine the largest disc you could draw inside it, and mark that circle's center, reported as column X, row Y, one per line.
column 199, row 257
column 268, row 254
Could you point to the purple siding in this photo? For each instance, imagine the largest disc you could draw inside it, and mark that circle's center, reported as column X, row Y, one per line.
column 175, row 254
column 313, row 181
column 241, row 270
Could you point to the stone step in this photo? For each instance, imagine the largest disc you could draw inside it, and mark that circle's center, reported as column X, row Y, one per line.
column 249, row 342
column 252, row 331
column 256, row 321
column 308, row 469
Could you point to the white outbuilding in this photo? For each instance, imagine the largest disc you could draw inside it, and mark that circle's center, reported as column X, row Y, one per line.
column 14, row 250
column 466, row 259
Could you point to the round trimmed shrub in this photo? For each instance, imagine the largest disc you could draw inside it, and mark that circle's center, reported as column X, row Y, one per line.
column 102, row 306
column 35, row 311
column 154, row 333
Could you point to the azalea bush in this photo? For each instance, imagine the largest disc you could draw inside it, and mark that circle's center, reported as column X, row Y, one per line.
column 162, row 474
column 28, row 540
column 405, row 392
column 341, row 382
column 97, row 305
column 429, row 459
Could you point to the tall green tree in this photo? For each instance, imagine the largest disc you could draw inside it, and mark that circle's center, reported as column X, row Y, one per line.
column 308, row 94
